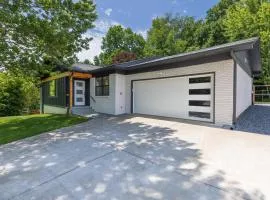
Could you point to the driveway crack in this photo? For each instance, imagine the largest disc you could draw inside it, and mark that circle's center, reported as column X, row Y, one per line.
column 140, row 157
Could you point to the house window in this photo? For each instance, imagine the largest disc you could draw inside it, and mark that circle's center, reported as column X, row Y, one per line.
column 52, row 88
column 102, row 86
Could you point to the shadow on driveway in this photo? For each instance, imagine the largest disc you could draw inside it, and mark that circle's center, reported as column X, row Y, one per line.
column 122, row 157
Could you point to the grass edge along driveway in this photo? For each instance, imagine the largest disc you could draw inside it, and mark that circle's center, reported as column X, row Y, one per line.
column 18, row 127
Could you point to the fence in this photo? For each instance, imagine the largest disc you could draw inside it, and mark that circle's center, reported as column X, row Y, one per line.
column 261, row 94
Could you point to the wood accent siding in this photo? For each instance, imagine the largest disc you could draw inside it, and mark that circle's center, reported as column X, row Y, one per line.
column 81, row 75
column 58, row 76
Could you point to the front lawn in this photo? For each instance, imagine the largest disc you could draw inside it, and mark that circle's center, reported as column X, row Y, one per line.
column 19, row 127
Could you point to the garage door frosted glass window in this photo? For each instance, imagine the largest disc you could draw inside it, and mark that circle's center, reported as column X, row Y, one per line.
column 188, row 97
column 201, row 97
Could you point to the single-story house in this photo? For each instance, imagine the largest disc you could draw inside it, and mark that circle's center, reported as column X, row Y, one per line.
column 211, row 85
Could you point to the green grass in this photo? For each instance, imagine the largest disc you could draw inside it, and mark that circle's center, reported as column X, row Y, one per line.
column 19, row 127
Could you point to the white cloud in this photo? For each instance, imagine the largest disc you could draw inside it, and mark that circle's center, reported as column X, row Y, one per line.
column 94, row 50
column 185, row 11
column 108, row 11
column 102, row 26
column 142, row 33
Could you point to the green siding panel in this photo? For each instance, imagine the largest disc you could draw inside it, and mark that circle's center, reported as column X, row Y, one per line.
column 61, row 93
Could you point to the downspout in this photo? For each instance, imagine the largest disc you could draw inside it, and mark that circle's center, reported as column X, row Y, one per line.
column 234, row 87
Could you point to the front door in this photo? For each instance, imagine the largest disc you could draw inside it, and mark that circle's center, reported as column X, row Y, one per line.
column 79, row 90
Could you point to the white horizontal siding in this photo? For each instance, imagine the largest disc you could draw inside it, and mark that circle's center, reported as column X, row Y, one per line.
column 103, row 104
column 223, row 85
column 243, row 91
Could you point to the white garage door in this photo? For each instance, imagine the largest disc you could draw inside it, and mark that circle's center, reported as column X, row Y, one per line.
column 188, row 97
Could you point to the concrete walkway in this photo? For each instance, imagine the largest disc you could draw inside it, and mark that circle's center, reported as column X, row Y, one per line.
column 135, row 157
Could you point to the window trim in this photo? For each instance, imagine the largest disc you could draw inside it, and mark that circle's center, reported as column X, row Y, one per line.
column 55, row 88
column 102, row 86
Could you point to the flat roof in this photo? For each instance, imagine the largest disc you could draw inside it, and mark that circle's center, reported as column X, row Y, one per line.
column 80, row 67
column 251, row 45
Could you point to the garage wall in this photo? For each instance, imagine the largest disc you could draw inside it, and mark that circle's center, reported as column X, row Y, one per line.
column 243, row 90
column 223, row 85
column 104, row 104
column 120, row 89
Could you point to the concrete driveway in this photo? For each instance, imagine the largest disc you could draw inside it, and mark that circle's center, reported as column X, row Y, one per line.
column 137, row 157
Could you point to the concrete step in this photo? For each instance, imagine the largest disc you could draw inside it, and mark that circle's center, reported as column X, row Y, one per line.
column 83, row 111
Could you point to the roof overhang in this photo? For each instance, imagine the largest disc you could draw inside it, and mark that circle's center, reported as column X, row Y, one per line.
column 251, row 45
column 68, row 74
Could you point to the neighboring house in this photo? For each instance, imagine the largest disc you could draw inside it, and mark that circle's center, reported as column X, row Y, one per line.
column 211, row 85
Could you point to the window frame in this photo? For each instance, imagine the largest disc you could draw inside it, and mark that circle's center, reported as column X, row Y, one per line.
column 50, row 88
column 103, row 85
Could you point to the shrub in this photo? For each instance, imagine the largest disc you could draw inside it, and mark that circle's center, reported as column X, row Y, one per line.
column 17, row 93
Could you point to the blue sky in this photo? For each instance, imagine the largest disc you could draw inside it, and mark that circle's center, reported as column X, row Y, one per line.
column 138, row 15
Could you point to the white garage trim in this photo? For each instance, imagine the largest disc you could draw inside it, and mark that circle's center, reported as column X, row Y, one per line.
column 208, row 97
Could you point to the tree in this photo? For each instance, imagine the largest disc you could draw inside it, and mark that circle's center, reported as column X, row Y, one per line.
column 156, row 37
column 213, row 23
column 37, row 35
column 120, row 39
column 97, row 61
column 250, row 18
column 18, row 93
column 123, row 56
column 88, row 62
column 171, row 35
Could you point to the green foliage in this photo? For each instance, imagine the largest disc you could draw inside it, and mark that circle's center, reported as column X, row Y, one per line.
column 249, row 18
column 87, row 61
column 123, row 56
column 227, row 21
column 119, row 39
column 11, row 98
column 173, row 34
column 31, row 94
column 17, row 94
column 38, row 35
column 97, row 61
